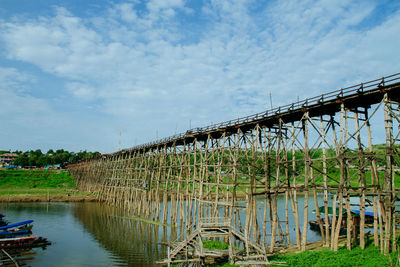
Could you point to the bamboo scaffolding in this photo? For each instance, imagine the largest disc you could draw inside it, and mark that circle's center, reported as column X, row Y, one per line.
column 254, row 173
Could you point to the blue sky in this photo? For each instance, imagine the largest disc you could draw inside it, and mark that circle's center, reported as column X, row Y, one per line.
column 76, row 74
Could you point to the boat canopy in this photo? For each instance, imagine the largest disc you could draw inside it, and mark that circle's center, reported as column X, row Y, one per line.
column 367, row 213
column 330, row 212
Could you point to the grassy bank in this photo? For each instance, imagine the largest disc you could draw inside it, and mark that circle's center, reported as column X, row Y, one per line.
column 41, row 179
column 370, row 256
column 39, row 185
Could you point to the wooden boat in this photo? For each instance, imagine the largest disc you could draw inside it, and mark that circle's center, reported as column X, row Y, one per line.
column 3, row 222
column 369, row 216
column 17, row 239
column 355, row 208
column 7, row 234
column 314, row 225
column 24, row 242
column 25, row 225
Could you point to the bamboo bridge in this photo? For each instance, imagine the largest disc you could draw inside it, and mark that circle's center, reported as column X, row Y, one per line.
column 224, row 180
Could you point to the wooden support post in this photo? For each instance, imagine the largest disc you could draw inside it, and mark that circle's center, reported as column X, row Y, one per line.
column 307, row 162
column 362, row 182
column 388, row 178
column 294, row 196
column 325, row 177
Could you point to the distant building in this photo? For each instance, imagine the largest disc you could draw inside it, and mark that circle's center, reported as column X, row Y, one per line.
column 8, row 158
column 53, row 167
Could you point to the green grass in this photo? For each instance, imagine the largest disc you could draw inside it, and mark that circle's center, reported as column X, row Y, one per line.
column 211, row 244
column 370, row 256
column 35, row 191
column 15, row 180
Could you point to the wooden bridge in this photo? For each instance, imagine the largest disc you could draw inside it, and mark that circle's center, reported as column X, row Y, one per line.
column 322, row 147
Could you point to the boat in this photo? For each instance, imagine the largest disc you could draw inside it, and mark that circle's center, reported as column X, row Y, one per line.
column 25, row 225
column 354, row 203
column 24, row 242
column 315, row 226
column 17, row 236
column 7, row 234
column 369, row 215
column 2, row 221
column 17, row 239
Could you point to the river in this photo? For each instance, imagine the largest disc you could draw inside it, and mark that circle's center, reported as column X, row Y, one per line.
column 96, row 234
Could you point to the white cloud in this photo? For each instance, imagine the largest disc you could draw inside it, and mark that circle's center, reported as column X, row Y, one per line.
column 165, row 8
column 29, row 122
column 145, row 72
column 127, row 12
column 81, row 90
column 13, row 97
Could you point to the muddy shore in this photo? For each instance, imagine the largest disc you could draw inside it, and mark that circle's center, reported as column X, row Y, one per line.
column 45, row 197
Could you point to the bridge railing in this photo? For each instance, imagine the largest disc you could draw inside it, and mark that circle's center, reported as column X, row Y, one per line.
column 333, row 95
column 214, row 222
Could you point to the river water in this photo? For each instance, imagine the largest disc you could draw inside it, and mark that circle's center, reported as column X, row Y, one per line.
column 96, row 234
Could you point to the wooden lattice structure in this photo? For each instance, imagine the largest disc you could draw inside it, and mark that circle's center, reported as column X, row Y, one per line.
column 320, row 148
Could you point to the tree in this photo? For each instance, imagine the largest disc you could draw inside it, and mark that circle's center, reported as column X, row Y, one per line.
column 22, row 160
column 60, row 156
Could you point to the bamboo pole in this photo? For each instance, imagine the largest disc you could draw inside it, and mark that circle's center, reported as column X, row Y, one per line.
column 325, row 177
column 374, row 182
column 341, row 158
column 307, row 162
column 200, row 176
column 294, row 197
column 362, row 183
column 388, row 179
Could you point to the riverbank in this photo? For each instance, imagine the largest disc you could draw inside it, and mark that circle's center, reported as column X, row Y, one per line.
column 40, row 186
column 370, row 256
column 43, row 195
column 320, row 256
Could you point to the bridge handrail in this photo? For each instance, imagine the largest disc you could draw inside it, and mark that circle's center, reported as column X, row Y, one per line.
column 333, row 95
column 214, row 221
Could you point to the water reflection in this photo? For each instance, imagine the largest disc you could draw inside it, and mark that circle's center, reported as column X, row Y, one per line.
column 132, row 242
column 20, row 256
column 137, row 243
column 71, row 244
column 96, row 234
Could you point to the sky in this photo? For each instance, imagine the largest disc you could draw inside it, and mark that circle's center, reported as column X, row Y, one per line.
column 101, row 75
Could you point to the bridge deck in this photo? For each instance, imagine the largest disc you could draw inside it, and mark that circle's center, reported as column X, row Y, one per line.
column 360, row 95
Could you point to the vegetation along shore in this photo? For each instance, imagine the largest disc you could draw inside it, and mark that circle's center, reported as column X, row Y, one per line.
column 317, row 255
column 39, row 185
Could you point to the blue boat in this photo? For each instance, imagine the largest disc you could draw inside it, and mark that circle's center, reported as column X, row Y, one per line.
column 369, row 215
column 7, row 234
column 19, row 225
